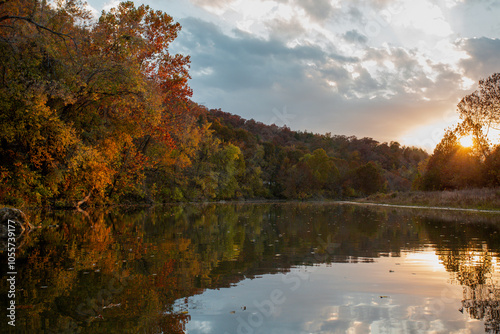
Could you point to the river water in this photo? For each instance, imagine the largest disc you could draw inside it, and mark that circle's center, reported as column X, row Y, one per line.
column 258, row 268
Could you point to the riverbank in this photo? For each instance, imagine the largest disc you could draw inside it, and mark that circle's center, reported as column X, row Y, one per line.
column 475, row 199
column 470, row 199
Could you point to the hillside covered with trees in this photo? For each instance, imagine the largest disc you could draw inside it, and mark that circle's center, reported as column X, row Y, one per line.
column 99, row 112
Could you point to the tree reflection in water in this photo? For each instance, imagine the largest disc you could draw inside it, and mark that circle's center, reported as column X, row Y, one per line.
column 122, row 271
column 481, row 294
column 473, row 267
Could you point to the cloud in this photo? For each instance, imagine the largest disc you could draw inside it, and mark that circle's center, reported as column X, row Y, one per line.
column 484, row 60
column 379, row 94
column 354, row 36
column 423, row 16
column 347, row 67
column 111, row 4
column 318, row 10
column 212, row 3
column 287, row 30
column 354, row 14
column 242, row 61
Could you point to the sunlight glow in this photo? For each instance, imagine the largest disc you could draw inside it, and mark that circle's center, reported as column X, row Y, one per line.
column 467, row 83
column 427, row 258
column 467, row 141
column 424, row 16
column 429, row 135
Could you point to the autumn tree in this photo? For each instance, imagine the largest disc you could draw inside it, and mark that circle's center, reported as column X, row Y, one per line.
column 368, row 179
column 452, row 166
column 37, row 52
column 83, row 101
column 480, row 111
column 314, row 175
column 99, row 112
column 491, row 168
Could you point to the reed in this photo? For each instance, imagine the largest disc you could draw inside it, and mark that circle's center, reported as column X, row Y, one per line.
column 483, row 198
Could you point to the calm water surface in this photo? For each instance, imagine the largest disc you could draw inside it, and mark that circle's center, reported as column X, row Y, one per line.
column 258, row 268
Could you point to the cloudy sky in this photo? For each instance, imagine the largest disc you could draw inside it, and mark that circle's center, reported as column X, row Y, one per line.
column 386, row 69
column 337, row 298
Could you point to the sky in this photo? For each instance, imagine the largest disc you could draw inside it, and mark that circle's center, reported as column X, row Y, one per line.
column 392, row 70
column 337, row 298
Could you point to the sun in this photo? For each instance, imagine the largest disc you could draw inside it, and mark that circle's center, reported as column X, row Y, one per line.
column 467, row 141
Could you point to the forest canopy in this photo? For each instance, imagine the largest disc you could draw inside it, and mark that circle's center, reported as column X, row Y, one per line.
column 98, row 112
column 82, row 101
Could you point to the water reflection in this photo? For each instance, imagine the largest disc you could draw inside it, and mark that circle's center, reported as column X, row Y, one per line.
column 303, row 267
column 474, row 269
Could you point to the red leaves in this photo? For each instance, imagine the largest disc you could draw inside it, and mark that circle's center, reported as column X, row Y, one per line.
column 163, row 278
column 162, row 135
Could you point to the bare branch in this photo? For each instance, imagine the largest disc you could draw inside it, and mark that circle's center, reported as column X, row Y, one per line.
column 29, row 20
column 79, row 203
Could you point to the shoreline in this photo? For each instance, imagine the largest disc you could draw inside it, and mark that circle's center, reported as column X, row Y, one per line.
column 486, row 200
column 419, row 207
column 472, row 200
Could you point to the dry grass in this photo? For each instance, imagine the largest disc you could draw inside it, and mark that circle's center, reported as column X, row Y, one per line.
column 486, row 198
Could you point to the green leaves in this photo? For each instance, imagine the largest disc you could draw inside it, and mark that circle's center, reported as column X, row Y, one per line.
column 100, row 111
column 78, row 100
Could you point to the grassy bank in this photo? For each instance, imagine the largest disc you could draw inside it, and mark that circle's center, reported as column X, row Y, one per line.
column 484, row 199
